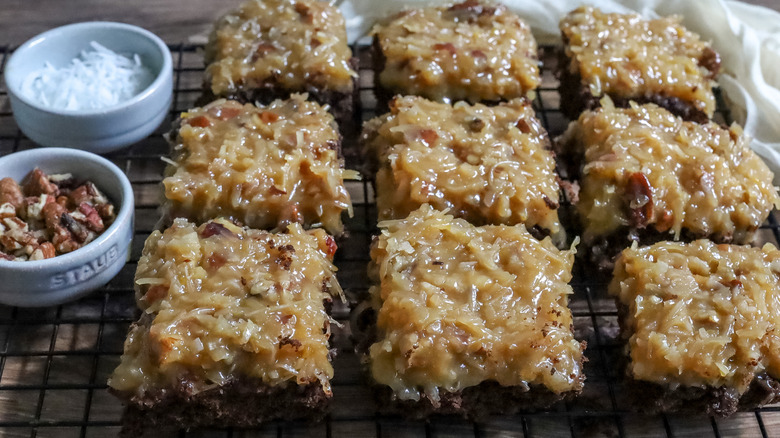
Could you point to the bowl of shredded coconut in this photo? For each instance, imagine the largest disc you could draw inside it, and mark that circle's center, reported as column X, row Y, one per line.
column 97, row 86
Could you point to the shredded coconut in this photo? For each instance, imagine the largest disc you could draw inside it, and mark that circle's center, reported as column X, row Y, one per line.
column 97, row 79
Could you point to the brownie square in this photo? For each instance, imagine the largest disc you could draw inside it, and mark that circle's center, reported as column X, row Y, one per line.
column 647, row 175
column 470, row 320
column 488, row 165
column 632, row 59
column 470, row 51
column 234, row 329
column 263, row 166
column 266, row 50
column 699, row 322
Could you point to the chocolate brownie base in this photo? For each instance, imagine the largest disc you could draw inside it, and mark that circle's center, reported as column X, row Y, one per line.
column 240, row 403
column 576, row 98
column 653, row 398
column 473, row 403
column 341, row 104
column 603, row 251
column 378, row 60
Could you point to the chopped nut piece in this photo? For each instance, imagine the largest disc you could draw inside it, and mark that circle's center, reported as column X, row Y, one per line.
column 80, row 195
column 7, row 210
column 10, row 192
column 37, row 184
column 48, row 250
column 215, row 229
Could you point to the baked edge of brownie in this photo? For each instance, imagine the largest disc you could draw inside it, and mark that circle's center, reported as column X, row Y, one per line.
column 575, row 96
column 378, row 62
column 473, row 403
column 240, row 402
column 654, row 398
column 341, row 103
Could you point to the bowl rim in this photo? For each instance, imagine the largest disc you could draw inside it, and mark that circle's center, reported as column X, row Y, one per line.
column 125, row 213
column 166, row 68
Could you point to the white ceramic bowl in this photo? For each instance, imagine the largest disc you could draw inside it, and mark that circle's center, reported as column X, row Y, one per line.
column 75, row 274
column 101, row 130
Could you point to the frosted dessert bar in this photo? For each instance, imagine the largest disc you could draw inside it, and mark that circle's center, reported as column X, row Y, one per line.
column 268, row 49
column 474, row 51
column 263, row 166
column 647, row 175
column 629, row 58
column 234, row 329
column 470, row 320
column 488, row 165
column 700, row 322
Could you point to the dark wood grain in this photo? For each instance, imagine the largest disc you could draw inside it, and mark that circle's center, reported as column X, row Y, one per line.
column 173, row 20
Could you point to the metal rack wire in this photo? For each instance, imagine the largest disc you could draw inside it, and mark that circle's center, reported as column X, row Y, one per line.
column 54, row 362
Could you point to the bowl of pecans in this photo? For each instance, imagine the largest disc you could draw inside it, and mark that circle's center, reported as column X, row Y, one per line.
column 66, row 223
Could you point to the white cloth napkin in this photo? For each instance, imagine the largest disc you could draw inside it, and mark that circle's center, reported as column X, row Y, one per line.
column 747, row 38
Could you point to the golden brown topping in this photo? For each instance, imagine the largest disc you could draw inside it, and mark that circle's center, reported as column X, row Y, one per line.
column 468, row 51
column 295, row 45
column 458, row 305
column 264, row 167
column 222, row 306
column 644, row 167
column 700, row 314
column 624, row 56
column 489, row 165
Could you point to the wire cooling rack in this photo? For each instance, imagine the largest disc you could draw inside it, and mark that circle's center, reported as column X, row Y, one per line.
column 54, row 362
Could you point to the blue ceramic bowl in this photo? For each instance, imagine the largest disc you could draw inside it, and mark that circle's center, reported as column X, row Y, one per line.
column 69, row 276
column 102, row 130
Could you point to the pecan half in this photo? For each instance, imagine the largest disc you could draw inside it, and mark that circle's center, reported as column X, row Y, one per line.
column 10, row 192
column 215, row 228
column 639, row 195
column 710, row 60
column 37, row 184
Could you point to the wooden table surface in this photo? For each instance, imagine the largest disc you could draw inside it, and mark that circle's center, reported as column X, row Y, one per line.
column 174, row 21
